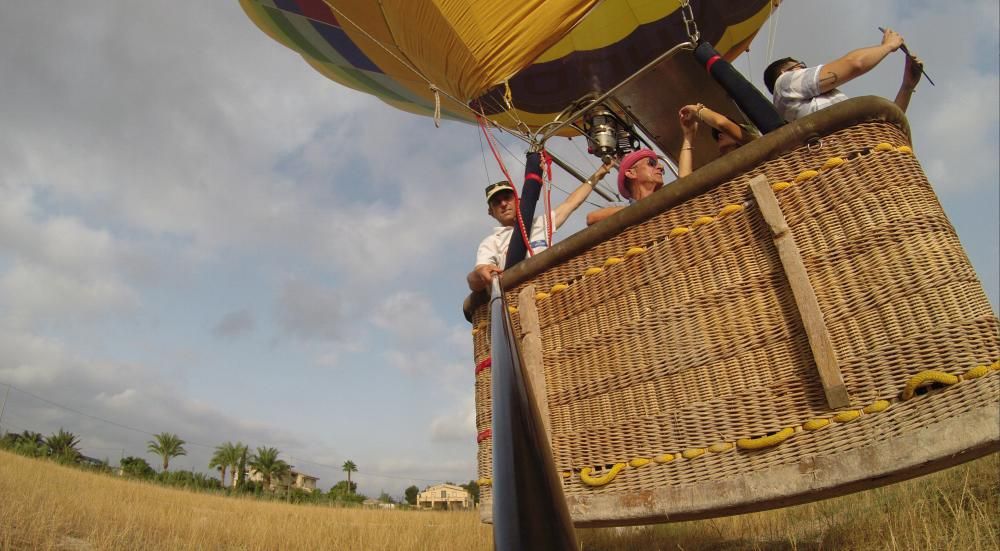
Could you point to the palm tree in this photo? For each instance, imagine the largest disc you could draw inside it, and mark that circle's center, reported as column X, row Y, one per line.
column 349, row 467
column 266, row 462
column 166, row 445
column 31, row 436
column 63, row 445
column 239, row 477
column 218, row 462
column 227, row 455
column 237, row 460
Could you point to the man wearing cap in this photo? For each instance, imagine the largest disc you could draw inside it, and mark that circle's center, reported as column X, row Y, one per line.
column 639, row 175
column 799, row 90
column 501, row 205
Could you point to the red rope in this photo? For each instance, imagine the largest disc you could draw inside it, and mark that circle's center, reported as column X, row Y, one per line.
column 517, row 200
column 488, row 433
column 485, row 364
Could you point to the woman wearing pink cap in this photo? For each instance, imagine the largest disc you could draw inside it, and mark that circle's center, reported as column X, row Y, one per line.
column 639, row 175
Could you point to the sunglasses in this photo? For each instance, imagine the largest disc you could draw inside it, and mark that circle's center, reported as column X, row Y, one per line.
column 798, row 65
column 652, row 162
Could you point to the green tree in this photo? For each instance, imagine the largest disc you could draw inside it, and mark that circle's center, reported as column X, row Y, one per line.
column 64, row 445
column 218, row 462
column 411, row 495
column 240, row 476
column 349, row 467
column 266, row 462
column 227, row 455
column 237, row 457
column 137, row 467
column 473, row 488
column 166, row 445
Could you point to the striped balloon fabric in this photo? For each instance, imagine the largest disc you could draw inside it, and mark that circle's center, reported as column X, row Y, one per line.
column 538, row 55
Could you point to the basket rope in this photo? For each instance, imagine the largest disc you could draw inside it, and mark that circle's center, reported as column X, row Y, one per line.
column 767, row 441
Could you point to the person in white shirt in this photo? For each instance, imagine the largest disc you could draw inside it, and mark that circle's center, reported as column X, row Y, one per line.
column 799, row 90
column 492, row 253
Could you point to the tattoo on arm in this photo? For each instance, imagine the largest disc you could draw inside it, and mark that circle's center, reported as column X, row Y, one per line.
column 828, row 77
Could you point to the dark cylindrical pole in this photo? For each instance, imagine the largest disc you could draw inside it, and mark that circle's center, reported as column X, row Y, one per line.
column 754, row 105
column 529, row 509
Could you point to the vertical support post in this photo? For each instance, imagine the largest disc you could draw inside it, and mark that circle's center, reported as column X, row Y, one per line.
column 805, row 295
column 531, row 354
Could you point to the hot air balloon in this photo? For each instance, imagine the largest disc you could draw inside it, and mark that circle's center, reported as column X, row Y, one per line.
column 792, row 321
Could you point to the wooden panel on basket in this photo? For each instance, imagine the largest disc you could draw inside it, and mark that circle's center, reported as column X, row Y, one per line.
column 805, row 296
column 531, row 354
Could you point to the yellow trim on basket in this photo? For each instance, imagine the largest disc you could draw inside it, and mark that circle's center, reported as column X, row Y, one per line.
column 765, row 441
column 720, row 447
column 905, row 149
column 876, row 406
column 634, row 251
column 664, row 458
column 780, row 186
column 558, row 288
column 593, row 271
column 884, row 146
column 612, row 261
column 600, row 480
column 485, row 481
column 540, row 295
column 976, row 372
column 702, row 220
column 638, row 462
column 678, row 231
column 832, row 162
column 816, row 424
column 692, row 453
column 730, row 209
column 925, row 377
column 806, row 175
column 847, row 416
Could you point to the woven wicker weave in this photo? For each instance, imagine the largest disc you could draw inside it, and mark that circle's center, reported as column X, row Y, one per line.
column 698, row 340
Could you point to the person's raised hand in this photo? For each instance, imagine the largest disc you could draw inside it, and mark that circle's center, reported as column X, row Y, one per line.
column 912, row 71
column 892, row 39
column 688, row 120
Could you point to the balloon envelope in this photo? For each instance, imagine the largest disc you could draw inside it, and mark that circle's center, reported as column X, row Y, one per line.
column 541, row 54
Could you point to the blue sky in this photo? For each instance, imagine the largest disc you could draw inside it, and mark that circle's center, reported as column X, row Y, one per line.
column 200, row 234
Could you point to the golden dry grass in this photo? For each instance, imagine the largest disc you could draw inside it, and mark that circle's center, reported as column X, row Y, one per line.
column 47, row 506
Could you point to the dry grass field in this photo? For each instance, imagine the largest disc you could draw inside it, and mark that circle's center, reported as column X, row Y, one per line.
column 47, row 506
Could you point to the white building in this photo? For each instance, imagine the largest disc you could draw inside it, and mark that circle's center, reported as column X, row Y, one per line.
column 294, row 478
column 444, row 496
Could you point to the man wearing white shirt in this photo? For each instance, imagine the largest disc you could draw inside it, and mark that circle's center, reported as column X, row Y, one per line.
column 492, row 252
column 799, row 90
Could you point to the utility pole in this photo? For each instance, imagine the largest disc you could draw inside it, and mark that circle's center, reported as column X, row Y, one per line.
column 3, row 406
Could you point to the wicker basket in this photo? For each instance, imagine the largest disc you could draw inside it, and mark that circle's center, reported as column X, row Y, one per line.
column 679, row 379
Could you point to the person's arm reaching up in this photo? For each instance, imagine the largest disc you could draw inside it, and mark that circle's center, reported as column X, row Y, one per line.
column 580, row 194
column 857, row 62
column 912, row 71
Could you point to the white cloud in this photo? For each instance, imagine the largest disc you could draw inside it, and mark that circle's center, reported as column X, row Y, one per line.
column 458, row 425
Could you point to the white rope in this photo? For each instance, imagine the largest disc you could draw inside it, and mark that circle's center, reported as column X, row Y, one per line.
column 772, row 31
column 437, row 106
